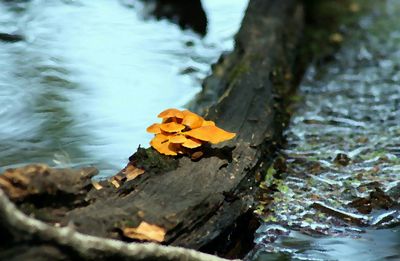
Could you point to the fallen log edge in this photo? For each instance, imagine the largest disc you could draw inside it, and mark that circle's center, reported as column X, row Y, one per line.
column 84, row 245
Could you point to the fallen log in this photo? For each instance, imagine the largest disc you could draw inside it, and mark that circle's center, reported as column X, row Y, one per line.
column 55, row 241
column 176, row 200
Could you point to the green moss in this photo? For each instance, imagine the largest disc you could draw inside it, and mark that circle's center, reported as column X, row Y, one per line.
column 239, row 69
column 150, row 160
column 126, row 223
column 260, row 209
column 269, row 178
column 374, row 154
column 282, row 187
column 270, row 218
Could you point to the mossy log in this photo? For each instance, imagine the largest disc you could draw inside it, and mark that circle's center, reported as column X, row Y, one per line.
column 197, row 203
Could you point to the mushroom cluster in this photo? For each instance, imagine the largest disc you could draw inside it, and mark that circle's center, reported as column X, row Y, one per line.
column 181, row 131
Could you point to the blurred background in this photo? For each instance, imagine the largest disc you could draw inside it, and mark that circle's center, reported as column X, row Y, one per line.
column 81, row 80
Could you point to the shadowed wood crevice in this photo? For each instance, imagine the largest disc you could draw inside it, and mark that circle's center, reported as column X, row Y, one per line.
column 195, row 202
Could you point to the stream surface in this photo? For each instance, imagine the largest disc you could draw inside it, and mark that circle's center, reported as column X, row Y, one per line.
column 338, row 194
column 90, row 76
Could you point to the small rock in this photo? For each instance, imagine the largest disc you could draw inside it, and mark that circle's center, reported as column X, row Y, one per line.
column 11, row 38
column 342, row 159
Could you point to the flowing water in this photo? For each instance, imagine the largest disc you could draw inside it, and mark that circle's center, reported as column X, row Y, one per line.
column 337, row 184
column 90, row 76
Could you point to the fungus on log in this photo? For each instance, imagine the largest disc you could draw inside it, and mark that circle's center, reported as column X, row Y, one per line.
column 196, row 203
column 184, row 130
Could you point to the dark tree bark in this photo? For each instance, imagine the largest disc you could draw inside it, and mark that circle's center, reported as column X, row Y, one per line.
column 197, row 203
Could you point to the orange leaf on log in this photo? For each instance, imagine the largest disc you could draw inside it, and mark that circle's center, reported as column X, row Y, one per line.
column 145, row 231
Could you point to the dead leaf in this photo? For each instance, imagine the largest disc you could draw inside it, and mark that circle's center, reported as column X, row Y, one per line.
column 115, row 183
column 96, row 185
column 132, row 172
column 145, row 231
column 119, row 177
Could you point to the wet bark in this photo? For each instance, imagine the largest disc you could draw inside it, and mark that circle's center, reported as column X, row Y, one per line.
column 197, row 203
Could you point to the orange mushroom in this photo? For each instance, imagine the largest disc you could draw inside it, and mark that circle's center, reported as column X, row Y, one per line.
column 212, row 134
column 183, row 130
column 162, row 144
column 178, row 139
column 160, row 138
column 171, row 127
column 192, row 120
column 154, row 128
column 176, row 147
column 208, row 123
column 191, row 143
column 169, row 113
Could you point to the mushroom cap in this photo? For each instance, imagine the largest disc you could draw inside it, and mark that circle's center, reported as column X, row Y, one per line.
column 168, row 113
column 212, row 134
column 154, row 128
column 208, row 123
column 192, row 120
column 161, row 137
column 161, row 143
column 191, row 143
column 171, row 139
column 172, row 119
column 171, row 127
column 178, row 139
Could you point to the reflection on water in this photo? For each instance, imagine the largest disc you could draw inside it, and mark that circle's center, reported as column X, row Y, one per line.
column 343, row 149
column 91, row 75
